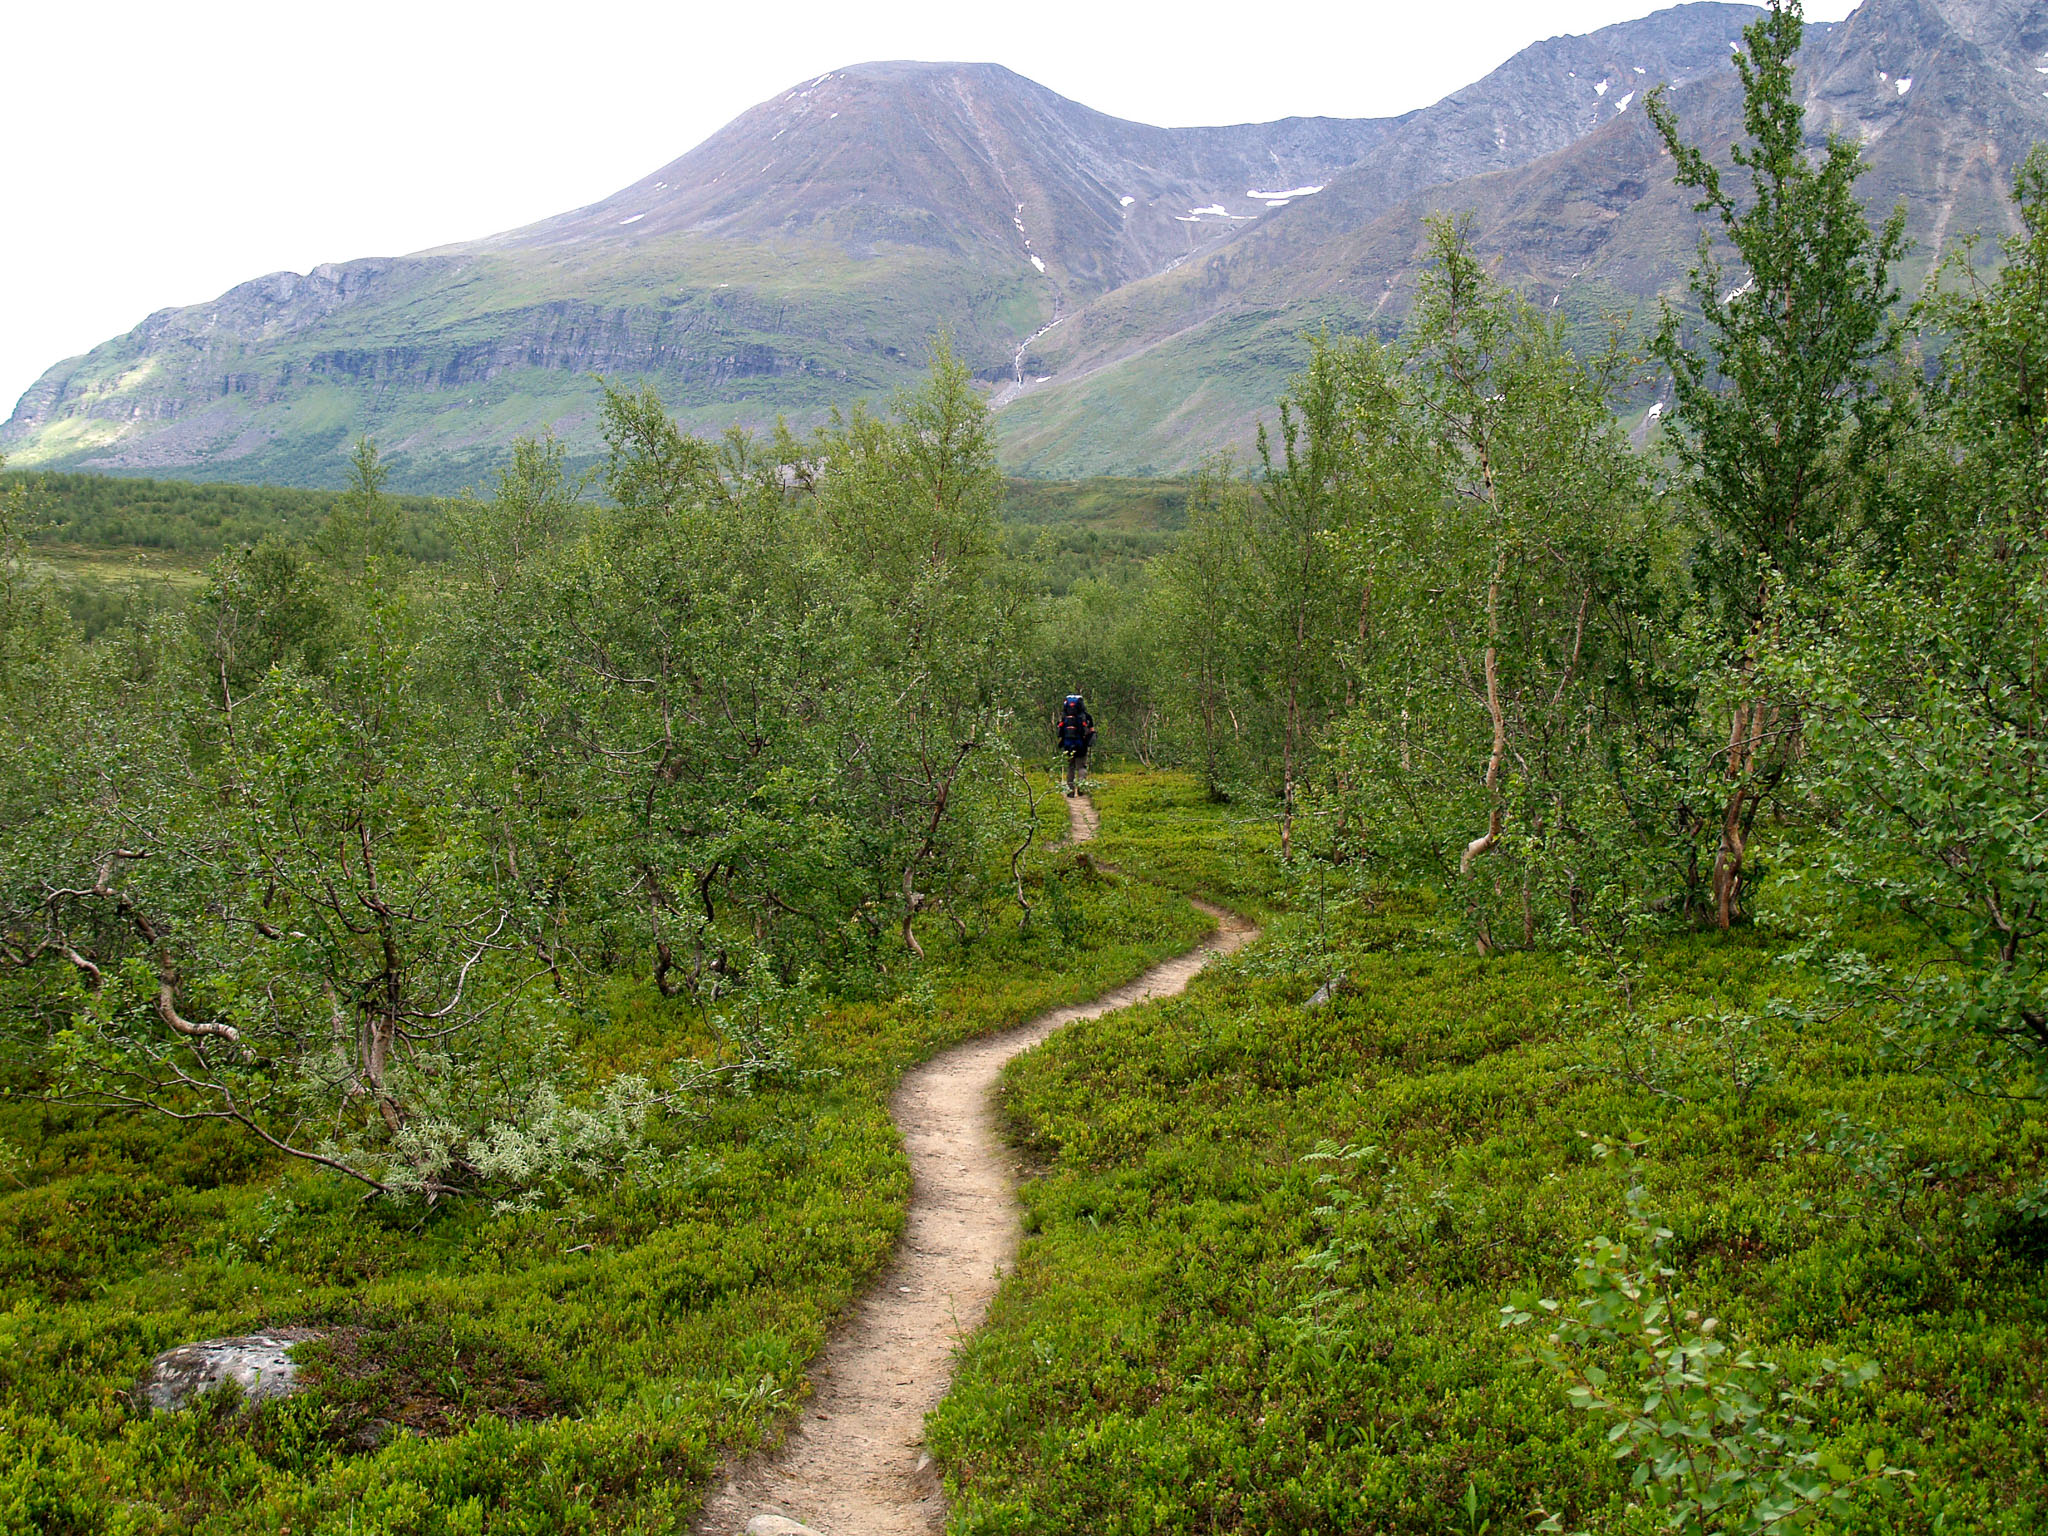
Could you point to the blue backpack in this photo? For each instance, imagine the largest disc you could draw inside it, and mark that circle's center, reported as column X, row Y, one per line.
column 1074, row 722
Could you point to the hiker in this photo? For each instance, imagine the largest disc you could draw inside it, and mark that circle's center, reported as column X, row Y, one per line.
column 1074, row 729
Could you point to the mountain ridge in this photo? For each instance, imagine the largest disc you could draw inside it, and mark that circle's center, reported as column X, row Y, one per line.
column 1132, row 295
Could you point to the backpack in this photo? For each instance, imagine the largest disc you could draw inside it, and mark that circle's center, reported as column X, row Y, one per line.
column 1073, row 722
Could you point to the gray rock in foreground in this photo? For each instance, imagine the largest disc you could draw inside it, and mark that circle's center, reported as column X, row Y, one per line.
column 257, row 1360
column 1327, row 992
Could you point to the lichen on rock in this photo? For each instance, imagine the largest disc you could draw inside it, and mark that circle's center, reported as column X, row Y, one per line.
column 259, row 1363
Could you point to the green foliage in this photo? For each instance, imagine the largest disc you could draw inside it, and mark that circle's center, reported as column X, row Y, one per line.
column 309, row 880
column 1208, row 1328
column 583, row 895
column 357, row 838
column 360, row 535
column 536, row 508
column 323, row 876
column 18, row 519
column 261, row 608
column 1780, row 418
column 1100, row 637
column 1169, row 830
column 1928, row 696
column 1718, row 1444
column 1454, row 621
column 1200, row 612
column 1507, row 707
column 124, row 512
column 1122, row 506
column 526, row 1368
column 1429, row 624
column 1786, row 359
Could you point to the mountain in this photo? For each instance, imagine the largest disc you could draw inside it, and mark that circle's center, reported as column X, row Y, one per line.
column 800, row 257
column 1947, row 96
column 1133, row 295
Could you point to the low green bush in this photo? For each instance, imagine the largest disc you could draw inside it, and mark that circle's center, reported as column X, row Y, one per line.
column 580, row 1366
column 1216, row 1326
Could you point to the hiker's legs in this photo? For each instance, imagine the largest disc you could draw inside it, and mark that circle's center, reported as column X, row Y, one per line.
column 1077, row 764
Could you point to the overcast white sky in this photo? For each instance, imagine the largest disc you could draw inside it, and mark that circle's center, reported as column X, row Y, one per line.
column 156, row 153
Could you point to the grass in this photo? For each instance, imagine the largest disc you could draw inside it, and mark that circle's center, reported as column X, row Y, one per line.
column 1105, row 506
column 1208, row 1329
column 1207, row 1332
column 89, row 525
column 76, row 563
column 1071, row 531
column 95, row 533
column 1164, row 408
column 1164, row 829
column 107, row 589
column 582, row 1368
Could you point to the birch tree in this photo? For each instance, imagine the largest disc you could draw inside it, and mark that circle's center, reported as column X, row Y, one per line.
column 1494, row 586
column 1776, row 370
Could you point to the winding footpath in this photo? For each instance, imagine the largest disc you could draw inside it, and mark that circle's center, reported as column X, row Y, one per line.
column 855, row 1464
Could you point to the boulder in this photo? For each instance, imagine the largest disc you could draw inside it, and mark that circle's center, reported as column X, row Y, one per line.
column 1327, row 992
column 258, row 1361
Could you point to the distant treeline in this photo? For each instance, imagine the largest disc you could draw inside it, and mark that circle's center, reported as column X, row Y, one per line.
column 120, row 512
column 1124, row 520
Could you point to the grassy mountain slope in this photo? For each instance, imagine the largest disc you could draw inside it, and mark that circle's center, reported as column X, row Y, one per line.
column 799, row 259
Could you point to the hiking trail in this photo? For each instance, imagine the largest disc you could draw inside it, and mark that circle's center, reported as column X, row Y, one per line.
column 854, row 1465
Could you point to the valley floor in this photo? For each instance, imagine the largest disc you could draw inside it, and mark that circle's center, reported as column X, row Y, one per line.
column 585, row 1365
column 1212, row 1324
column 1271, row 1243
column 856, row 1461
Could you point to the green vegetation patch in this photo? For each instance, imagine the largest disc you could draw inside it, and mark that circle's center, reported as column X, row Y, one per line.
column 1215, row 1326
column 574, row 1368
column 80, row 512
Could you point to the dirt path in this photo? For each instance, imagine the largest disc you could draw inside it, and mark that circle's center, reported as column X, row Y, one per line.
column 855, row 1464
column 1081, row 819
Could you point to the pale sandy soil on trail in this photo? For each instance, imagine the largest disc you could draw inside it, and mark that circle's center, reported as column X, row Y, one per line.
column 855, row 1464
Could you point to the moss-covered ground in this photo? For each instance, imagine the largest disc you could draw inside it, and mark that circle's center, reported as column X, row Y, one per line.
column 1209, row 1329
column 1209, row 1332
column 580, row 1367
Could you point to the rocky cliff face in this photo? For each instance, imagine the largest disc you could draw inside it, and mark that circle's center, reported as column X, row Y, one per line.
column 1134, row 294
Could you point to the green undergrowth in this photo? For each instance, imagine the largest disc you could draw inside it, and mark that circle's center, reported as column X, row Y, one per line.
column 580, row 1367
column 77, row 513
column 1163, row 828
column 1213, row 1329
